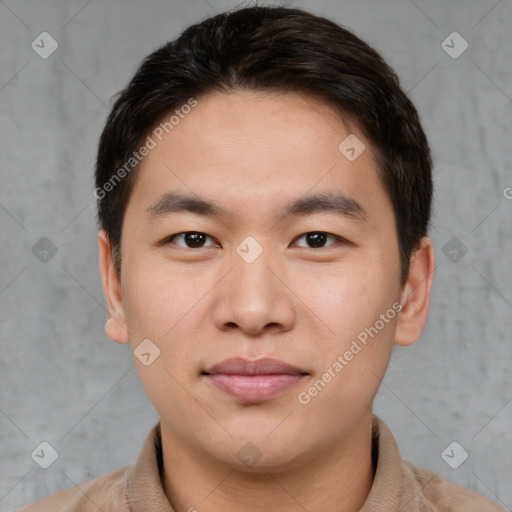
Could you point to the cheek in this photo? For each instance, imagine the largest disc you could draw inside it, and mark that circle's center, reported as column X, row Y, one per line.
column 350, row 299
column 353, row 365
column 165, row 384
column 166, row 308
column 159, row 307
column 157, row 298
column 358, row 309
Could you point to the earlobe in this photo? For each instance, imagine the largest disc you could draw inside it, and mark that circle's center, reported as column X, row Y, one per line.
column 115, row 328
column 415, row 298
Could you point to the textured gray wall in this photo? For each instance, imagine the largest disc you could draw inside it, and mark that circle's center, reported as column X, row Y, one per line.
column 63, row 381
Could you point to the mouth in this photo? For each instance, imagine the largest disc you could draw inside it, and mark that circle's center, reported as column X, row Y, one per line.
column 253, row 381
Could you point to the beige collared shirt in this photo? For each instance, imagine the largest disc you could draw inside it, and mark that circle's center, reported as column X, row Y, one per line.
column 398, row 486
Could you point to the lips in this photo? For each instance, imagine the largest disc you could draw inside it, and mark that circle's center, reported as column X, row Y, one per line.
column 264, row 366
column 253, row 381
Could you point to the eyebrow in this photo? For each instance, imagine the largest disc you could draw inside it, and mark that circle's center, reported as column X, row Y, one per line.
column 331, row 202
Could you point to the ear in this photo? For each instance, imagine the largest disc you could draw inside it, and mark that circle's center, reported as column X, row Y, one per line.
column 115, row 328
column 415, row 298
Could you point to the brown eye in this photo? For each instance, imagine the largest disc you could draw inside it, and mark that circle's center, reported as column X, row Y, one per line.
column 191, row 239
column 315, row 239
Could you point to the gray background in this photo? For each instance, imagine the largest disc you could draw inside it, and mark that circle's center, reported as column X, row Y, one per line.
column 63, row 381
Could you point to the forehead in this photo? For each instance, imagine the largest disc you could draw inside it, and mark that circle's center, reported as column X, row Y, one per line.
column 254, row 149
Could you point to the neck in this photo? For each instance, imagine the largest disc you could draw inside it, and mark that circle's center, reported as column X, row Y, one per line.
column 337, row 479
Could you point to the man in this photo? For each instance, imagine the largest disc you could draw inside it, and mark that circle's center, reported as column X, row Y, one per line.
column 264, row 191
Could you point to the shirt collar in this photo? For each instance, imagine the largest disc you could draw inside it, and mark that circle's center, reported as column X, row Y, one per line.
column 144, row 489
column 386, row 492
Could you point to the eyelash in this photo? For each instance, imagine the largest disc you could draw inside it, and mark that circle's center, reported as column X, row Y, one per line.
column 169, row 239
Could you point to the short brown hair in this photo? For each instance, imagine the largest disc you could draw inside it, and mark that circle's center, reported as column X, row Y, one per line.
column 280, row 49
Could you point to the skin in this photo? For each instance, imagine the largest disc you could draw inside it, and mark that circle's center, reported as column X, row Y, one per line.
column 252, row 152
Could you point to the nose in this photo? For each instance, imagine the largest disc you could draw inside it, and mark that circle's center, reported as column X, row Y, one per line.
column 253, row 297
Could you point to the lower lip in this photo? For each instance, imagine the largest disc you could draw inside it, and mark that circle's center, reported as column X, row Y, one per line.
column 254, row 388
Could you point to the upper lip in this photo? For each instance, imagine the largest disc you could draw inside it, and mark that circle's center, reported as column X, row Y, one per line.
column 241, row 366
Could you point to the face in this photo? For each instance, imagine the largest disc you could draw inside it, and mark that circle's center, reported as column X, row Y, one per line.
column 248, row 268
